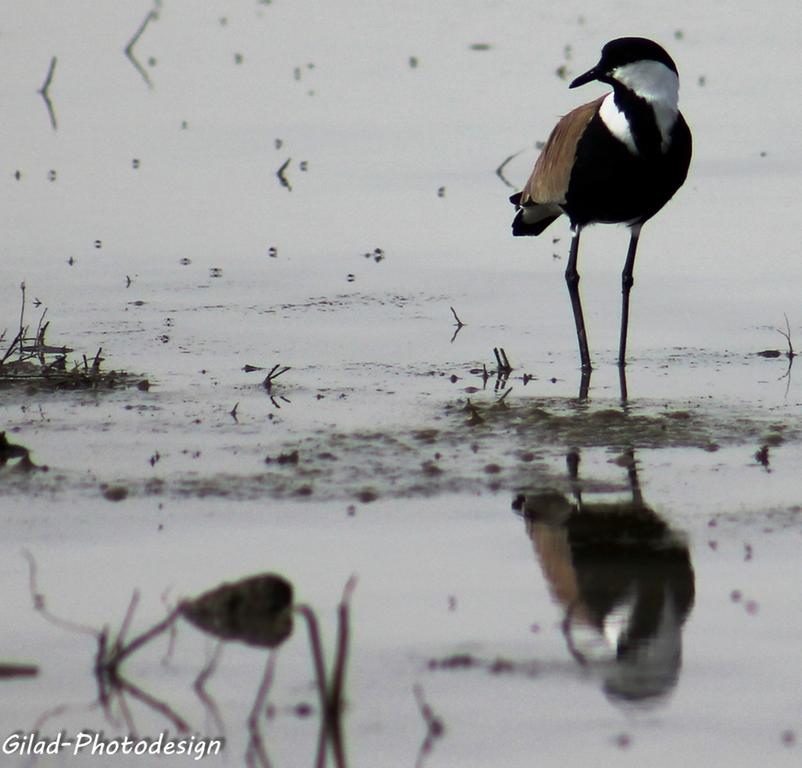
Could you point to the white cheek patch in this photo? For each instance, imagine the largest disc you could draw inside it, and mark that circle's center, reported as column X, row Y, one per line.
column 656, row 84
column 617, row 123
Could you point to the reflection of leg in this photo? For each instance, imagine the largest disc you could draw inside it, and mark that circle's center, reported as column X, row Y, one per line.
column 572, row 279
column 627, row 282
column 572, row 462
column 632, row 474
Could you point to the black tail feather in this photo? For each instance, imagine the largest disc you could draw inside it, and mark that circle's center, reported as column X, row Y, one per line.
column 520, row 228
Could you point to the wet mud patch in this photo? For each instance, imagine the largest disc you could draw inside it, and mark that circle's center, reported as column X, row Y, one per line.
column 464, row 446
column 569, row 423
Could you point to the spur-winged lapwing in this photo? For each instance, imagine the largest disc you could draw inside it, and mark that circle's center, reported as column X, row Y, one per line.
column 615, row 160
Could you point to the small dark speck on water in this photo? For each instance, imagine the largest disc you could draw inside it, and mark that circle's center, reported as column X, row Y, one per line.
column 480, row 46
column 351, row 277
column 185, row 261
column 135, row 163
column 115, row 493
column 215, row 272
column 678, row 34
column 441, row 191
column 303, row 165
column 98, row 244
column 17, row 175
column 184, row 125
column 238, row 58
column 278, row 143
column 51, row 175
column 413, row 62
column 272, row 252
column 788, row 738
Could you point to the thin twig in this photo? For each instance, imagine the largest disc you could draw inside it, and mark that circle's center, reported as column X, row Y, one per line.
column 320, row 675
column 281, row 177
column 116, row 658
column 38, row 600
column 500, row 169
column 129, row 614
column 154, row 703
column 125, row 711
column 21, row 318
column 200, row 687
column 129, row 49
column 334, row 713
column 274, row 373
column 17, row 342
column 434, row 725
column 503, row 362
column 790, row 354
column 459, row 324
column 256, row 745
column 44, row 91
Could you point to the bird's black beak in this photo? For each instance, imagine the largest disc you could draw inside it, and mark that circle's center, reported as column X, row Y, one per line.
column 588, row 77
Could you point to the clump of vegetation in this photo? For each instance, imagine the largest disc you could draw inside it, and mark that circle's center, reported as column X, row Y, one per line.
column 29, row 360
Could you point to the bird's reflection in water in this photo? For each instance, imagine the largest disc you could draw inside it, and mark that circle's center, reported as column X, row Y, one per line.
column 624, row 579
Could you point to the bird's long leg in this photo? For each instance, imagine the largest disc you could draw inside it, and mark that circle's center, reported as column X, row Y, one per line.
column 572, row 280
column 627, row 281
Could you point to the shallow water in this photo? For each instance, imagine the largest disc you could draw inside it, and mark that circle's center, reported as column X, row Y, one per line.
column 501, row 530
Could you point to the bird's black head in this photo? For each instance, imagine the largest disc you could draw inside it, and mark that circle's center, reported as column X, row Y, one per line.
column 621, row 52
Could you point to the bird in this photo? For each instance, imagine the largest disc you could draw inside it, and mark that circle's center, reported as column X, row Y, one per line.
column 616, row 160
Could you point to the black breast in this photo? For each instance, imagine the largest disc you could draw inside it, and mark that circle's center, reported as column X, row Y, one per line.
column 610, row 184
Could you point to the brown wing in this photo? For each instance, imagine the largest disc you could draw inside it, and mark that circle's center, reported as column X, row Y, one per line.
column 552, row 172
